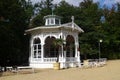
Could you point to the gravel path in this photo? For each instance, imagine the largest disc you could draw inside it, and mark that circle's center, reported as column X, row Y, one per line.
column 111, row 71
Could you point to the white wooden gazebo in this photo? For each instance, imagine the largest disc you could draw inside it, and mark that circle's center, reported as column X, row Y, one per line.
column 42, row 52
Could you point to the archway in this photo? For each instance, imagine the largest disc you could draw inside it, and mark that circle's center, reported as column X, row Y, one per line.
column 49, row 49
column 36, row 48
column 70, row 46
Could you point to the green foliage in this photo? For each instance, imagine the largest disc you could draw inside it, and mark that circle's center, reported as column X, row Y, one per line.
column 58, row 42
column 64, row 9
column 41, row 9
column 111, row 29
column 17, row 15
column 13, row 22
column 87, row 16
column 90, row 15
column 37, row 21
column 90, row 20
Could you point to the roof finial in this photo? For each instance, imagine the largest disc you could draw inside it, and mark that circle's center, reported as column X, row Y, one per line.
column 72, row 18
column 52, row 10
column 72, row 21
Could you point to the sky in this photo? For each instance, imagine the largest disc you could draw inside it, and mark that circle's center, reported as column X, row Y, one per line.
column 109, row 3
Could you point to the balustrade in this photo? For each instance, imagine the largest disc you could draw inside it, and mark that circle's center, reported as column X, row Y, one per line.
column 54, row 59
column 71, row 59
column 36, row 59
column 50, row 59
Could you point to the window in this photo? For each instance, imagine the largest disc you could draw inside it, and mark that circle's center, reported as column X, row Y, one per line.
column 52, row 21
column 48, row 22
column 56, row 21
column 36, row 48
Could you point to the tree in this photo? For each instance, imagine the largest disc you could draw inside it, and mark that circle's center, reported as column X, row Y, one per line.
column 41, row 9
column 90, row 21
column 87, row 16
column 63, row 9
column 111, row 30
column 58, row 44
column 45, row 8
column 13, row 22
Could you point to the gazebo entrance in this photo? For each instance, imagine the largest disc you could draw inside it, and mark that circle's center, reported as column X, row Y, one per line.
column 51, row 52
column 49, row 49
column 70, row 45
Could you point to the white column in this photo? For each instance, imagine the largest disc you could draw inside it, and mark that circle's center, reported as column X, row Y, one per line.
column 31, row 50
column 79, row 61
column 76, row 45
column 42, row 52
column 76, row 51
column 62, row 53
column 31, row 56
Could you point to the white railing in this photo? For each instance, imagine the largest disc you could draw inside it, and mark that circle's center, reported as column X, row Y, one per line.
column 50, row 59
column 36, row 59
column 54, row 59
column 71, row 59
column 96, row 62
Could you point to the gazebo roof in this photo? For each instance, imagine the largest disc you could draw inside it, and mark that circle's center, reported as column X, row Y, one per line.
column 70, row 25
column 73, row 26
column 51, row 16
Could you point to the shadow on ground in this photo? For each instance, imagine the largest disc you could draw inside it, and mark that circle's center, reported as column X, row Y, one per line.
column 1, row 74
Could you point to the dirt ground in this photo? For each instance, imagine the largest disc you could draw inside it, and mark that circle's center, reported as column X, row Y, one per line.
column 111, row 71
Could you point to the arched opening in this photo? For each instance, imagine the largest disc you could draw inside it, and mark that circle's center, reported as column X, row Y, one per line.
column 50, row 49
column 70, row 44
column 36, row 48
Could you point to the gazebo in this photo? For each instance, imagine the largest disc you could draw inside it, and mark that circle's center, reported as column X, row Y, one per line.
column 42, row 51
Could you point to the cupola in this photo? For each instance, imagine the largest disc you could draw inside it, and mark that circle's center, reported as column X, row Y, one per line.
column 51, row 20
